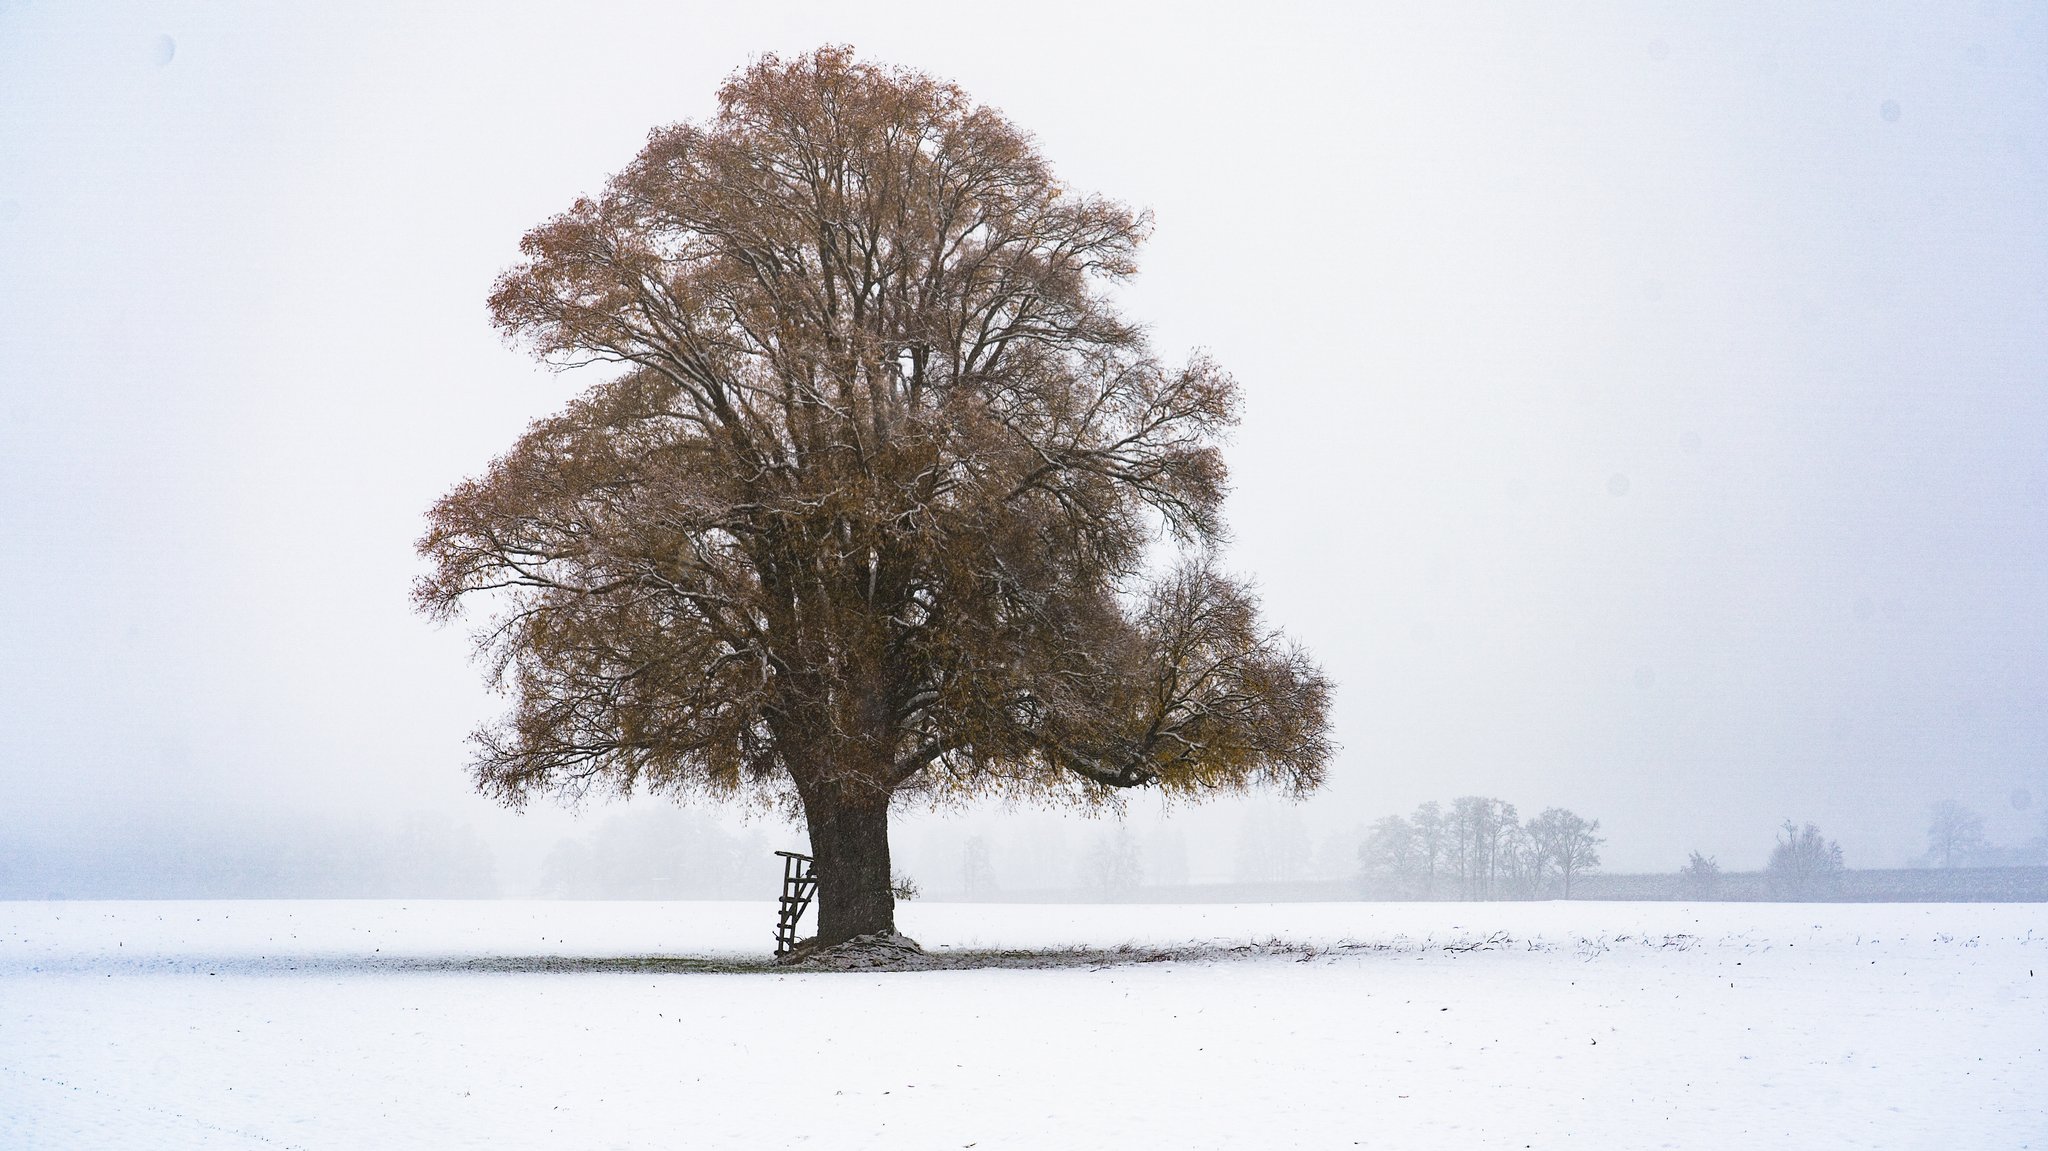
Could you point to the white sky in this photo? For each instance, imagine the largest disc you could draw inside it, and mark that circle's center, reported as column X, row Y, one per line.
column 1646, row 405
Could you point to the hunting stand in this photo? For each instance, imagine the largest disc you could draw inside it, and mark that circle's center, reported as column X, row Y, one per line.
column 799, row 885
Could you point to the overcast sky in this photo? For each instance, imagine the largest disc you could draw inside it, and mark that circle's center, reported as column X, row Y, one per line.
column 1646, row 408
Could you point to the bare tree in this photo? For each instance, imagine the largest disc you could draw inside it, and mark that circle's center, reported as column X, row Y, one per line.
column 1430, row 845
column 1521, row 868
column 1955, row 834
column 1116, row 866
column 1391, row 858
column 1476, row 833
column 1566, row 842
column 1463, row 828
column 861, row 512
column 1505, row 852
column 1804, row 863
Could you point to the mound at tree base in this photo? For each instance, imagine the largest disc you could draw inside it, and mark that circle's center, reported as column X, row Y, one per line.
column 886, row 950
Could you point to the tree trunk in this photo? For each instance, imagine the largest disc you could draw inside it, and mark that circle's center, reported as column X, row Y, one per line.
column 850, row 843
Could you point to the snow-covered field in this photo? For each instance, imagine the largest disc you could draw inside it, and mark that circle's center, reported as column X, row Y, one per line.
column 441, row 1025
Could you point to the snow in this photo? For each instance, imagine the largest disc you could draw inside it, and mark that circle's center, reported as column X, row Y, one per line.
column 508, row 1025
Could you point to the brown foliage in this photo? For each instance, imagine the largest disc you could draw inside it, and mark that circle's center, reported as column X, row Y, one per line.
column 865, row 507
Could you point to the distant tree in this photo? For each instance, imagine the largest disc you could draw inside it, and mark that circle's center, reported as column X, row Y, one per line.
column 977, row 873
column 1430, row 847
column 1955, row 835
column 862, row 514
column 1504, row 851
column 1701, row 876
column 1804, row 863
column 1469, row 828
column 1391, row 858
column 1116, row 866
column 1521, row 869
column 1567, row 843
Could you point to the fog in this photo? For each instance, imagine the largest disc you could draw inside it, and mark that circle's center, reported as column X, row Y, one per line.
column 1645, row 411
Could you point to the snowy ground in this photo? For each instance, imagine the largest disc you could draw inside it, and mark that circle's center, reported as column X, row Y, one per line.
column 509, row 1025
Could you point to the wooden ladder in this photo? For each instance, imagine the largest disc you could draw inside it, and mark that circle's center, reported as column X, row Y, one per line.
column 799, row 884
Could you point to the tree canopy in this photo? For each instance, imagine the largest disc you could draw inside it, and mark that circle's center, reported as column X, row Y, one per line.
column 864, row 507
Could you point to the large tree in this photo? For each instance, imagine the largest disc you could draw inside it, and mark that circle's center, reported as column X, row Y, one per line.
column 865, row 511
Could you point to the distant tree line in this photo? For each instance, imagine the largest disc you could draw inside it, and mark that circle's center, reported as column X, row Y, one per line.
column 1478, row 848
column 1805, row 864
